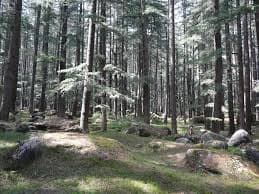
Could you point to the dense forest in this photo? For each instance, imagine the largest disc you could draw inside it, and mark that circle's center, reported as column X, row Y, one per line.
column 137, row 96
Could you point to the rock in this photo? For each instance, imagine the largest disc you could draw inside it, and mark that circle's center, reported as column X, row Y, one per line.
column 210, row 136
column 25, row 153
column 75, row 129
column 208, row 161
column 139, row 146
column 194, row 138
column 224, row 133
column 4, row 126
column 198, row 120
column 183, row 140
column 253, row 155
column 147, row 131
column 143, row 132
column 36, row 116
column 132, row 130
column 24, row 127
column 40, row 126
column 201, row 159
column 155, row 145
column 239, row 137
column 216, row 144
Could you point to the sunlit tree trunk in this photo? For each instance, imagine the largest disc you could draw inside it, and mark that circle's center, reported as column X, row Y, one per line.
column 89, row 67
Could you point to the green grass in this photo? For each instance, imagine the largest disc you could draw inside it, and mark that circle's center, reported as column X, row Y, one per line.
column 140, row 170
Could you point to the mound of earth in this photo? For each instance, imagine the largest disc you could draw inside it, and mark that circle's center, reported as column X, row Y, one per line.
column 208, row 161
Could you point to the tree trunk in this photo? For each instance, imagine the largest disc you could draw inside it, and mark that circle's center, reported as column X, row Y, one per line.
column 11, row 74
column 78, row 54
column 145, row 64
column 229, row 72
column 35, row 55
column 102, row 51
column 62, row 65
column 247, row 73
column 218, row 124
column 45, row 60
column 89, row 67
column 240, row 70
column 173, row 64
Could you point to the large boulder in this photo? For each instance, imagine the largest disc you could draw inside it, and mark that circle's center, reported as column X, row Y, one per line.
column 5, row 126
column 183, row 140
column 24, row 127
column 147, row 131
column 37, row 116
column 216, row 144
column 40, row 126
column 253, row 155
column 211, row 136
column 239, row 137
column 25, row 153
column 208, row 161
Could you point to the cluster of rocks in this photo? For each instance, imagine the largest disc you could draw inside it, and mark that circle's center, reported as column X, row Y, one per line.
column 211, row 139
column 207, row 160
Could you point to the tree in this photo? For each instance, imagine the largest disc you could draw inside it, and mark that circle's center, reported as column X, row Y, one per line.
column 36, row 45
column 218, row 124
column 45, row 57
column 10, row 77
column 240, row 70
column 89, row 67
column 145, row 63
column 173, row 64
column 102, row 51
column 63, row 54
column 247, row 73
column 229, row 73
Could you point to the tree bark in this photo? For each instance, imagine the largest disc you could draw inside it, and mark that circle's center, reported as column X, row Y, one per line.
column 247, row 74
column 145, row 64
column 173, row 64
column 62, row 65
column 218, row 125
column 89, row 67
column 35, row 55
column 240, row 70
column 45, row 60
column 102, row 51
column 11, row 74
column 229, row 72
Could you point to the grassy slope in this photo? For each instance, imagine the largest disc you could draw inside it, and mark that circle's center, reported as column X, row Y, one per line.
column 139, row 171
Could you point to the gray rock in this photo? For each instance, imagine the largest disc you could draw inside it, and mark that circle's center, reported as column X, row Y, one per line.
column 23, row 128
column 210, row 136
column 26, row 152
column 40, row 126
column 131, row 130
column 239, row 137
column 147, row 131
column 216, row 144
column 183, row 140
column 75, row 129
column 252, row 155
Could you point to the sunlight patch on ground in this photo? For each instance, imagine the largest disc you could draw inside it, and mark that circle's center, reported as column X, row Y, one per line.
column 6, row 144
column 108, row 184
column 81, row 142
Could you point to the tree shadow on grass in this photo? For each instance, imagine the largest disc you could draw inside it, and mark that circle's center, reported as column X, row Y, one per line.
column 70, row 172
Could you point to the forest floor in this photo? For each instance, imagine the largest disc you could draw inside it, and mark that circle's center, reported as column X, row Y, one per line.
column 112, row 162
